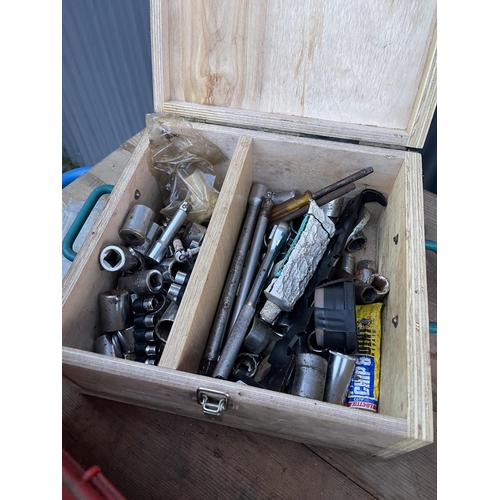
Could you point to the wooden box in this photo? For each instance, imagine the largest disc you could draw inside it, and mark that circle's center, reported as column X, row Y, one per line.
column 297, row 95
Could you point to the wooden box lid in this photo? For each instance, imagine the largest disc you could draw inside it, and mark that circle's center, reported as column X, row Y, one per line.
column 351, row 70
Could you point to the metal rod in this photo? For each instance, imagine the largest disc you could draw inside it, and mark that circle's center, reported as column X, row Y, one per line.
column 252, row 260
column 320, row 202
column 240, row 328
column 343, row 182
column 228, row 296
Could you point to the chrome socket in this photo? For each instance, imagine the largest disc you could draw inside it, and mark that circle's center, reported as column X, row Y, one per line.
column 310, row 376
column 145, row 336
column 159, row 248
column 166, row 322
column 153, row 234
column 339, row 375
column 169, row 268
column 126, row 339
column 142, row 282
column 149, row 304
column 114, row 310
column 260, row 339
column 116, row 258
column 145, row 349
column 134, row 230
column 109, row 345
column 145, row 321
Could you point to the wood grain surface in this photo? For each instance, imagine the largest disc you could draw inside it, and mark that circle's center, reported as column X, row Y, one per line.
column 360, row 64
column 150, row 454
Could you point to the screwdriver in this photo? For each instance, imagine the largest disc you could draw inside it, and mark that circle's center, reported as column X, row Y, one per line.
column 278, row 212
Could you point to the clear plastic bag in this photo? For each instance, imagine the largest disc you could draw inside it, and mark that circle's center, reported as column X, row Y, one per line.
column 183, row 164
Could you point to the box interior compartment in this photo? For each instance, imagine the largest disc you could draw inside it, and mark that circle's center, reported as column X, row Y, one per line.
column 282, row 163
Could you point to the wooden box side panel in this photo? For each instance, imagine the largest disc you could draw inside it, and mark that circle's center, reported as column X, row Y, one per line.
column 285, row 162
column 186, row 342
column 85, row 278
column 405, row 383
column 319, row 61
column 250, row 408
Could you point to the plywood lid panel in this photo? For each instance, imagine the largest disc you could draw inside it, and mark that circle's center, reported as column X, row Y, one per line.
column 355, row 63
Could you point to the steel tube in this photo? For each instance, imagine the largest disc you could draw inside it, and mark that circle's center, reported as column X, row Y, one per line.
column 252, row 260
column 226, row 302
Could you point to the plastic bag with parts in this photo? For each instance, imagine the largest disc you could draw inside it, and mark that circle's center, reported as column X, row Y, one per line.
column 183, row 164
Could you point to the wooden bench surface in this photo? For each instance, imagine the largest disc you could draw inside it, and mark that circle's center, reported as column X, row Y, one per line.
column 154, row 455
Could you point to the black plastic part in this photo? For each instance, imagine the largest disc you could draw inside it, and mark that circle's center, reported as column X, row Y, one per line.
column 338, row 318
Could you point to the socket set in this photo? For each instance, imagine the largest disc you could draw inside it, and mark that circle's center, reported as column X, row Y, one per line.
column 153, row 262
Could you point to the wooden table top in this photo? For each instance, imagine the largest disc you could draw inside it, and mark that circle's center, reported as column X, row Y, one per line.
column 152, row 455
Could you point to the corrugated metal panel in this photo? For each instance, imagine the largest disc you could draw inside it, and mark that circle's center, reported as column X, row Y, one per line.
column 106, row 75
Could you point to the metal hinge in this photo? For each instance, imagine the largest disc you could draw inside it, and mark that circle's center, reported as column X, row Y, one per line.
column 212, row 402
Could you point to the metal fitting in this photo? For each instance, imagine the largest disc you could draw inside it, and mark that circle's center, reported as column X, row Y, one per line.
column 115, row 310
column 312, row 343
column 142, row 282
column 365, row 269
column 247, row 363
column 269, row 312
column 338, row 378
column 149, row 304
column 108, row 345
column 333, row 209
column 144, row 336
column 282, row 196
column 165, row 323
column 159, row 248
column 146, row 360
column 179, row 250
column 118, row 258
column 260, row 339
column 126, row 339
column 347, row 263
column 181, row 278
column 380, row 284
column 356, row 242
column 365, row 293
column 193, row 235
column 153, row 234
column 168, row 268
column 145, row 321
column 310, row 376
column 145, row 349
column 175, row 292
column 135, row 229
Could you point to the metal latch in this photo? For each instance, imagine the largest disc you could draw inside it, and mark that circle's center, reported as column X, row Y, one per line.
column 212, row 402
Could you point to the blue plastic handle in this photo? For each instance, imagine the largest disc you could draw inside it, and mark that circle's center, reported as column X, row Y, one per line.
column 81, row 218
column 71, row 175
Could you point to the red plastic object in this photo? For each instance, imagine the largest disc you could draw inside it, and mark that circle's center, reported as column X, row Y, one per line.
column 79, row 484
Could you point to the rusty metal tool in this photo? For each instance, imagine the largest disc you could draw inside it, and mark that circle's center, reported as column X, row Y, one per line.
column 252, row 259
column 278, row 212
column 228, row 296
column 224, row 367
column 281, row 359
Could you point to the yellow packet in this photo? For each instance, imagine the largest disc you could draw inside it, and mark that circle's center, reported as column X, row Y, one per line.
column 364, row 386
